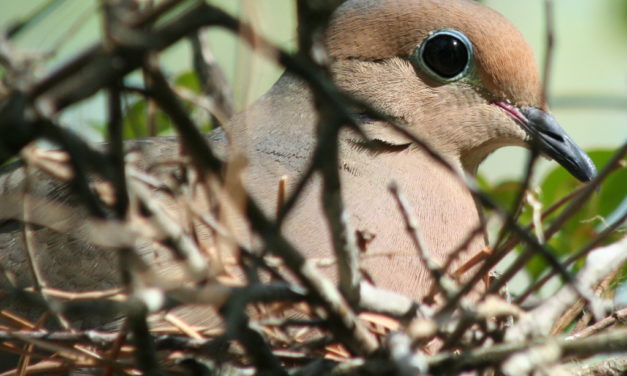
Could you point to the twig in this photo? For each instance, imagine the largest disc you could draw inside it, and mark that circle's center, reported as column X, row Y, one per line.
column 617, row 318
column 39, row 13
column 32, row 245
column 411, row 223
column 211, row 76
column 600, row 263
column 185, row 249
column 615, row 366
column 574, row 257
column 557, row 224
column 613, row 342
column 115, row 15
column 343, row 235
column 549, row 50
column 205, row 160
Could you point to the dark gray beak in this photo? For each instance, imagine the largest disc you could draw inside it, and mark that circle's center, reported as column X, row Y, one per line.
column 553, row 141
column 550, row 139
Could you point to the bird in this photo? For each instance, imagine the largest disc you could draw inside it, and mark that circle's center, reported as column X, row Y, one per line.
column 455, row 73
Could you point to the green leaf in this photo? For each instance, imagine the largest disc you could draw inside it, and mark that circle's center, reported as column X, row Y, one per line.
column 189, row 80
column 581, row 228
column 136, row 121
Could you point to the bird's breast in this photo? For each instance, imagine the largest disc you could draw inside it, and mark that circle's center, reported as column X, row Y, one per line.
column 444, row 210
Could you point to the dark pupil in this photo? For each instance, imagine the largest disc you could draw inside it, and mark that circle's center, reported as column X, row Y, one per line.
column 445, row 55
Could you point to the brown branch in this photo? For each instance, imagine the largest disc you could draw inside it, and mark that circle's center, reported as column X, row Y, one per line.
column 617, row 318
column 212, row 78
column 438, row 275
column 574, row 257
column 204, row 160
column 602, row 262
column 615, row 366
column 549, row 49
column 613, row 342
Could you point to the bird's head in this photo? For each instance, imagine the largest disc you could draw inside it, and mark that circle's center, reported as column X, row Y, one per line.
column 455, row 71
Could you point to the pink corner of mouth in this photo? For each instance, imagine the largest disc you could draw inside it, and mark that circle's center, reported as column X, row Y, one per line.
column 512, row 111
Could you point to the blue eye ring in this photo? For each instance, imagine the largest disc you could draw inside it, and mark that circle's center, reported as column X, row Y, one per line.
column 445, row 55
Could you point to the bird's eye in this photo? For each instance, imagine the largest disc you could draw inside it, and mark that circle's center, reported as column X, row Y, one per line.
column 446, row 55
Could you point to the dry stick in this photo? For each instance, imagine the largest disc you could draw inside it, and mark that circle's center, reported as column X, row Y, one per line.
column 29, row 349
column 100, row 62
column 204, row 160
column 184, row 246
column 312, row 21
column 613, row 342
column 510, row 222
column 280, row 196
column 344, row 242
column 41, row 339
column 151, row 107
column 38, row 14
column 291, row 201
column 323, row 290
column 617, row 318
column 519, row 202
column 304, row 71
column 486, row 201
column 406, row 360
column 576, row 309
column 199, row 16
column 218, row 229
column 31, row 245
column 100, row 339
column 104, row 64
column 462, row 245
column 574, row 206
column 513, row 241
column 333, row 113
column 533, row 154
column 615, row 366
column 145, row 352
column 590, row 188
column 411, row 223
column 116, row 348
column 549, row 51
column 541, row 320
column 212, row 78
column 570, row 260
column 472, row 360
column 74, row 28
column 89, row 55
column 185, row 249
column 561, row 202
column 80, row 155
column 116, row 150
column 521, row 261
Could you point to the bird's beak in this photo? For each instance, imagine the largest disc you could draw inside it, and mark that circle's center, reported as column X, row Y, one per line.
column 549, row 137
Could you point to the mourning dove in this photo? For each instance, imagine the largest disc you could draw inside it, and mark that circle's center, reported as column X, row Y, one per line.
column 460, row 76
column 455, row 73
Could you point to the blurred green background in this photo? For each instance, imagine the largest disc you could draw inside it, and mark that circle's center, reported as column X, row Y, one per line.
column 588, row 90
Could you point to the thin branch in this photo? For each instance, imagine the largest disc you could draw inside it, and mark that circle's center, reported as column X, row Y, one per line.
column 613, row 342
column 617, row 318
column 437, row 273
column 574, row 257
column 549, row 49
column 205, row 160
column 602, row 262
